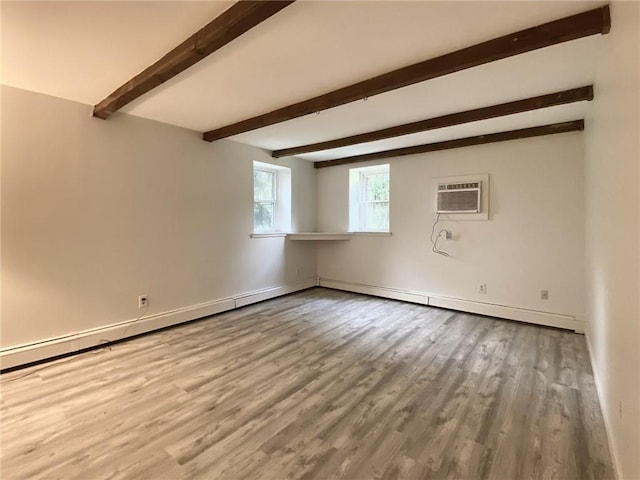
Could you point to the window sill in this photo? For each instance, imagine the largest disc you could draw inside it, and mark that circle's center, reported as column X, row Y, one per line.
column 312, row 236
column 268, row 234
column 372, row 234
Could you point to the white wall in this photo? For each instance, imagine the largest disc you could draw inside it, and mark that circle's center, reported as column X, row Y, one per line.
column 613, row 234
column 95, row 213
column 532, row 241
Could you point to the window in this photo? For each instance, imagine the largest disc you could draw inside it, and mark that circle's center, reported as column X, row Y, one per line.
column 271, row 198
column 264, row 199
column 369, row 199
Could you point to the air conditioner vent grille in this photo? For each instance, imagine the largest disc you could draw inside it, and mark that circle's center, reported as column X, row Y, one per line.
column 459, row 197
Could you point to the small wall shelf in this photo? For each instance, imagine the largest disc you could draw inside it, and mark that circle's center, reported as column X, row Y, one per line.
column 319, row 236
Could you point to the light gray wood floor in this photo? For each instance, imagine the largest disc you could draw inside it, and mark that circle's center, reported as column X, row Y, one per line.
column 316, row 385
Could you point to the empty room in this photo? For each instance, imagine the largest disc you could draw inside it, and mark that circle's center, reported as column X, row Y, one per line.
column 320, row 240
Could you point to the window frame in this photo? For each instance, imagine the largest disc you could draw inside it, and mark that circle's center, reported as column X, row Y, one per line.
column 280, row 203
column 358, row 202
column 272, row 202
column 364, row 202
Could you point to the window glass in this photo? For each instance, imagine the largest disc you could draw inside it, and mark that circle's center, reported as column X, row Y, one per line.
column 369, row 199
column 271, row 198
column 263, row 216
column 263, row 185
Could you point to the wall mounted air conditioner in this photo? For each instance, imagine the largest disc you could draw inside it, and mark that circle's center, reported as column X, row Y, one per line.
column 459, row 197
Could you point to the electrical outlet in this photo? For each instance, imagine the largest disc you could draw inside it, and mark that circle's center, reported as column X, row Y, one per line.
column 482, row 288
column 544, row 294
column 298, row 272
column 620, row 409
column 143, row 301
column 445, row 235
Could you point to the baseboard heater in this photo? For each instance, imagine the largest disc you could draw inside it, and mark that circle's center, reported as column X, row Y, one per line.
column 535, row 317
column 19, row 355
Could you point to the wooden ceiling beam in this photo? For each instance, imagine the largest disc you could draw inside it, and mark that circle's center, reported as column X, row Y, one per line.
column 534, row 103
column 584, row 24
column 233, row 22
column 572, row 126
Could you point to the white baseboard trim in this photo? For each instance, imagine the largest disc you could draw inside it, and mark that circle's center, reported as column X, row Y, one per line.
column 502, row 311
column 605, row 416
column 512, row 313
column 272, row 292
column 52, row 347
column 385, row 292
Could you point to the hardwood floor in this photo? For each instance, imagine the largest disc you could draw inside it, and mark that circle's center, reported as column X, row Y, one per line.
column 320, row 384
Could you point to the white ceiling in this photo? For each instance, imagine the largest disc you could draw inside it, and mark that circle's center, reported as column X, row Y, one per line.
column 84, row 50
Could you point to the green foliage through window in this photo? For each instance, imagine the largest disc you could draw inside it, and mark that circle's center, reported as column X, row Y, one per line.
column 374, row 199
column 264, row 197
column 262, row 216
column 263, row 185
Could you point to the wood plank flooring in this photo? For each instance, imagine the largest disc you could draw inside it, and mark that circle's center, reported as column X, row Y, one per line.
column 320, row 384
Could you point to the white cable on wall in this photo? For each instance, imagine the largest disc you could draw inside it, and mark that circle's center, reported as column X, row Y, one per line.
column 434, row 243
